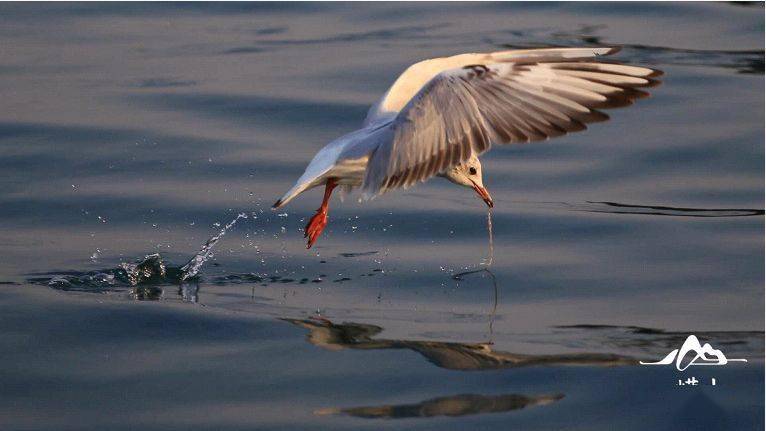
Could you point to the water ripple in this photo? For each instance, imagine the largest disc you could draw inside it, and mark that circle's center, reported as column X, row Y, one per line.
column 619, row 208
column 747, row 61
column 452, row 406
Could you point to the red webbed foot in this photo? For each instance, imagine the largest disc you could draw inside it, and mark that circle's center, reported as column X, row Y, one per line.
column 318, row 222
column 315, row 227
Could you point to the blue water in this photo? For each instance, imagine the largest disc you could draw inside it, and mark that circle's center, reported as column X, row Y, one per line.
column 130, row 130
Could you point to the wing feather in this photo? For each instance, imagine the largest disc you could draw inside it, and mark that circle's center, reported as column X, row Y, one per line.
column 462, row 111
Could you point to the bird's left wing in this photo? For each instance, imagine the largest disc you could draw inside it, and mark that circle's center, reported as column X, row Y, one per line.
column 462, row 111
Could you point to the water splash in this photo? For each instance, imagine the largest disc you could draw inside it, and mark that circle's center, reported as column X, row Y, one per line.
column 145, row 273
column 206, row 252
column 150, row 269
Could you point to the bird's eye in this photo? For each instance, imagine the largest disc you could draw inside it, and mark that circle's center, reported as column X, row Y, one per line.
column 472, row 171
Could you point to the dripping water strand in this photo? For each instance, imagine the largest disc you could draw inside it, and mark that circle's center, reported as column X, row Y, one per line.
column 206, row 252
column 495, row 299
column 494, row 308
column 491, row 253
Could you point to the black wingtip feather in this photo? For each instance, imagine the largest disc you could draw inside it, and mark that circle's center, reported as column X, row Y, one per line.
column 613, row 49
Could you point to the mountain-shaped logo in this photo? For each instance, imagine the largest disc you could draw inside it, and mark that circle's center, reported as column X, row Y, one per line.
column 704, row 355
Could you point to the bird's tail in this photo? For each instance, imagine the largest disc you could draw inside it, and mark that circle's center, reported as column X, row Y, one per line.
column 290, row 195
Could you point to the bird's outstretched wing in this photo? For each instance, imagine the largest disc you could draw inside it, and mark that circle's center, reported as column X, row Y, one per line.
column 417, row 75
column 463, row 110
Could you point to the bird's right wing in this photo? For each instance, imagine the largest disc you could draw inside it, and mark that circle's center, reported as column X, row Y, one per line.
column 419, row 74
column 462, row 111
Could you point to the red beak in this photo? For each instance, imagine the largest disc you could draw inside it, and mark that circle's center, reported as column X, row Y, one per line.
column 483, row 194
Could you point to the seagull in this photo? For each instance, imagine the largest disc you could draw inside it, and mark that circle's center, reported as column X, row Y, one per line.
column 442, row 113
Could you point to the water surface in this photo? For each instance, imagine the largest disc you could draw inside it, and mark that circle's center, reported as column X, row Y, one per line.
column 130, row 130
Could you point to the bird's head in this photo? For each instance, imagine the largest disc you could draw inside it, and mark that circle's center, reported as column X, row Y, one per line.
column 468, row 174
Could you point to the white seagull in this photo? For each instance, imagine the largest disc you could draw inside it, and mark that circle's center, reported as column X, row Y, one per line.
column 441, row 114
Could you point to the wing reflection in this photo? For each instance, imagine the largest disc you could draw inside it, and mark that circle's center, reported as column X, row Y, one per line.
column 449, row 355
column 456, row 405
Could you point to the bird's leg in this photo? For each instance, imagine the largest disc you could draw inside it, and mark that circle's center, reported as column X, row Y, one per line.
column 318, row 222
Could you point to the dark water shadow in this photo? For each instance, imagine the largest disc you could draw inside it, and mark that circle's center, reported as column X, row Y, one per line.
column 747, row 4
column 358, row 254
column 163, row 82
column 244, row 50
column 656, row 341
column 620, row 208
column 451, row 406
column 745, row 61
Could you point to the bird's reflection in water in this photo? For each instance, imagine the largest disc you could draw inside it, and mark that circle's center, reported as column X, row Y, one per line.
column 147, row 293
column 187, row 291
column 456, row 405
column 449, row 355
